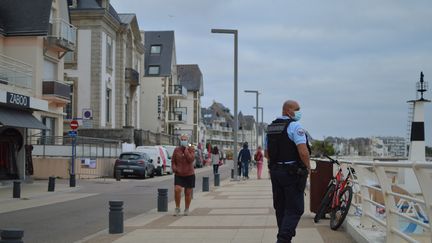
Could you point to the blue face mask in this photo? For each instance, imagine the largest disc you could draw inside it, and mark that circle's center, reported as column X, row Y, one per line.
column 297, row 115
column 184, row 143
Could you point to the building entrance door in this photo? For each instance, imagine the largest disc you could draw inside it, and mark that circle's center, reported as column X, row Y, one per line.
column 11, row 141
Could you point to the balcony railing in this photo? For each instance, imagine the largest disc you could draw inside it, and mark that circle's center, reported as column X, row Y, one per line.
column 62, row 34
column 132, row 76
column 56, row 89
column 178, row 115
column 14, row 72
column 177, row 91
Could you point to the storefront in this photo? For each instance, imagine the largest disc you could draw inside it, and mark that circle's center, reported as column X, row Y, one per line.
column 16, row 119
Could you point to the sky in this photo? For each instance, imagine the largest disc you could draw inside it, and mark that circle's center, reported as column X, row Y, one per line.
column 351, row 65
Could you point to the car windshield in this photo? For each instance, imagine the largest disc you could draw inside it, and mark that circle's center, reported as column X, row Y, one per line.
column 129, row 156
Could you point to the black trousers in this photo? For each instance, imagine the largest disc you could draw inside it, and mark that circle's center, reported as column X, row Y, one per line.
column 288, row 202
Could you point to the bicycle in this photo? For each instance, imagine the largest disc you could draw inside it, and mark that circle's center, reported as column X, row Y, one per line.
column 337, row 198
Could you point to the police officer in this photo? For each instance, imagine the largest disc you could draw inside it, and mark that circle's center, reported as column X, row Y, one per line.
column 287, row 151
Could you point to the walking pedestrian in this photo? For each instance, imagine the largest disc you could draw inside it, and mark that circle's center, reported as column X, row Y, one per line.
column 258, row 157
column 184, row 174
column 215, row 158
column 288, row 153
column 245, row 157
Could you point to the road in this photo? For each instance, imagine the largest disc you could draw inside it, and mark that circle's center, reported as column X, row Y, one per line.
column 73, row 220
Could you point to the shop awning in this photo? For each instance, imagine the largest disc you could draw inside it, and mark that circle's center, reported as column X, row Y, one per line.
column 19, row 118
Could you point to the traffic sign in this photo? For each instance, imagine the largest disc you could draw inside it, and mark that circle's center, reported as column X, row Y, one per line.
column 74, row 124
column 72, row 133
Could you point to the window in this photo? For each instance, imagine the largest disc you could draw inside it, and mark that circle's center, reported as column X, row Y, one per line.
column 153, row 70
column 68, row 109
column 109, row 52
column 108, row 105
column 48, row 135
column 155, row 49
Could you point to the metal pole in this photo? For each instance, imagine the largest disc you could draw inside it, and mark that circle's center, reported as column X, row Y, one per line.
column 256, row 122
column 236, row 178
column 72, row 181
column 262, row 124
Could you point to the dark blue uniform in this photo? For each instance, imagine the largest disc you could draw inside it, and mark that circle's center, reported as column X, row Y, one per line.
column 287, row 173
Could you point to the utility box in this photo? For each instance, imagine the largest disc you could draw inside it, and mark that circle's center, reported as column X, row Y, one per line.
column 319, row 180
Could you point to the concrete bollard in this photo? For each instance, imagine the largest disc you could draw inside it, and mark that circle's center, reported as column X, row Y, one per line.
column 51, row 183
column 116, row 217
column 162, row 200
column 232, row 173
column 205, row 184
column 17, row 189
column 216, row 179
column 11, row 235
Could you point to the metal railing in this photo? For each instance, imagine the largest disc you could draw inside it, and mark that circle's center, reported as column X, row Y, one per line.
column 381, row 202
column 15, row 72
column 177, row 90
column 57, row 146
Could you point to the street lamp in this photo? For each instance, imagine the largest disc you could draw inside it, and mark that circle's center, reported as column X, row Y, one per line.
column 262, row 122
column 235, row 33
column 256, row 123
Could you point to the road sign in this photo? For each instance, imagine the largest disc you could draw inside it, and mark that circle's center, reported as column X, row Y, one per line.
column 72, row 133
column 74, row 124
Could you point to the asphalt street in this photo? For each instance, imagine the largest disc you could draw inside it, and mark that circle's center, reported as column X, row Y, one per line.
column 73, row 220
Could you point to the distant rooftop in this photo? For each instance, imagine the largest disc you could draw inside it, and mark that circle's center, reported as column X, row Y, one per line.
column 190, row 77
column 164, row 60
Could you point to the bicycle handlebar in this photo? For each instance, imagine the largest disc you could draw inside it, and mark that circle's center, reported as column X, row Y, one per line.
column 331, row 159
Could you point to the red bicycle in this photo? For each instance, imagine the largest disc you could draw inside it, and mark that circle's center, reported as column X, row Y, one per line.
column 337, row 199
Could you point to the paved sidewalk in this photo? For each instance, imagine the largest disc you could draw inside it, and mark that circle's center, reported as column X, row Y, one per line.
column 235, row 212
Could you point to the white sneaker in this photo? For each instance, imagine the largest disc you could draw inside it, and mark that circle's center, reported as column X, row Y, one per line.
column 176, row 211
column 186, row 212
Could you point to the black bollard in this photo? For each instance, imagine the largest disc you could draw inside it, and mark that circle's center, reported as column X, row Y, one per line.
column 118, row 175
column 205, row 184
column 16, row 189
column 11, row 235
column 51, row 183
column 216, row 179
column 72, row 180
column 162, row 200
column 232, row 173
column 116, row 217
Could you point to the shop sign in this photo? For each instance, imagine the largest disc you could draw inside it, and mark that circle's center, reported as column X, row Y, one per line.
column 17, row 99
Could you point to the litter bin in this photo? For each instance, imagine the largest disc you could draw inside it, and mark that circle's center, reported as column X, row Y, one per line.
column 319, row 180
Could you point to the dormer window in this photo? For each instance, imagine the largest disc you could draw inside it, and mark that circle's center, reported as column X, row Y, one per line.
column 154, row 70
column 155, row 49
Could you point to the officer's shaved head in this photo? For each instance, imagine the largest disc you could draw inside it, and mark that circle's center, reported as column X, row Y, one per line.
column 289, row 106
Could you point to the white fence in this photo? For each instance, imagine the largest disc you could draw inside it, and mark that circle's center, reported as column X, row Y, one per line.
column 382, row 205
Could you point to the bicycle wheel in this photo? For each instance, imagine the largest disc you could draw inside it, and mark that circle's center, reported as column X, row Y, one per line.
column 325, row 203
column 339, row 213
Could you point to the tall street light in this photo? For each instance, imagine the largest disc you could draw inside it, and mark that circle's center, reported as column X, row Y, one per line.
column 235, row 33
column 256, row 122
column 262, row 122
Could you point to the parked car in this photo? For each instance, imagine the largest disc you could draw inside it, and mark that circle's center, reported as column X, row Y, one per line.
column 134, row 163
column 159, row 161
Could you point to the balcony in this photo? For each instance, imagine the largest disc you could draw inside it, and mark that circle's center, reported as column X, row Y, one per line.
column 62, row 35
column 16, row 73
column 177, row 116
column 177, row 91
column 56, row 91
column 132, row 76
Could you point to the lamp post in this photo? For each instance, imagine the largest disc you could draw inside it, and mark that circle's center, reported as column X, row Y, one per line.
column 235, row 33
column 262, row 122
column 256, row 122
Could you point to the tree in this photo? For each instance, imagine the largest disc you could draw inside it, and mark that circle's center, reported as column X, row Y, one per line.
column 320, row 148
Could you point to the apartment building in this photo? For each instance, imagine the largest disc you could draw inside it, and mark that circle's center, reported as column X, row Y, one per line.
column 161, row 90
column 190, row 77
column 105, row 69
column 34, row 37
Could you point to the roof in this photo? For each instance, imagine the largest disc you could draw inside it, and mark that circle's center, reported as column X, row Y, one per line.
column 190, row 77
column 126, row 18
column 19, row 18
column 164, row 60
